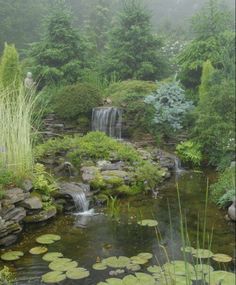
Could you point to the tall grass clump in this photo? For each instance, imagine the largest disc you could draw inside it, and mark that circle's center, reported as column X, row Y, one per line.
column 16, row 138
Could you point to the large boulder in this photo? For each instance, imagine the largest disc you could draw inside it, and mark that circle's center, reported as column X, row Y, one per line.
column 43, row 215
column 32, row 203
column 89, row 173
column 14, row 195
column 232, row 211
column 16, row 214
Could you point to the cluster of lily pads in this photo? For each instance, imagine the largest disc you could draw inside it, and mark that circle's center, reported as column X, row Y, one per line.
column 177, row 272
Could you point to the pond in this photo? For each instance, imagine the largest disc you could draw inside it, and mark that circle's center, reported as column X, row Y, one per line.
column 104, row 237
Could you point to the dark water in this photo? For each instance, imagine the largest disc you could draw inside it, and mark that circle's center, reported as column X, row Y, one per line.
column 105, row 237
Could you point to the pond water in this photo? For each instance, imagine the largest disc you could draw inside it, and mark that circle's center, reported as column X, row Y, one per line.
column 104, row 237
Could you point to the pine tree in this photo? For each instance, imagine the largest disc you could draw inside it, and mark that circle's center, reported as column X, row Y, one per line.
column 59, row 56
column 134, row 52
column 10, row 67
column 207, row 74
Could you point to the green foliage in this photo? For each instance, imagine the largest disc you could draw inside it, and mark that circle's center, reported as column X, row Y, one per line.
column 10, row 68
column 223, row 191
column 148, row 176
column 207, row 73
column 17, row 125
column 6, row 276
column 73, row 101
column 215, row 120
column 133, row 51
column 170, row 106
column 97, row 145
column 6, row 177
column 43, row 182
column 190, row 152
column 59, row 55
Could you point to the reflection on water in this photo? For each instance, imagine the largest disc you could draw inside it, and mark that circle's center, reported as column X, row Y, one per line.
column 86, row 238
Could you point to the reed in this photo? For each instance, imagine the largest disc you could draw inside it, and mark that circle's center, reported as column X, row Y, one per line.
column 17, row 108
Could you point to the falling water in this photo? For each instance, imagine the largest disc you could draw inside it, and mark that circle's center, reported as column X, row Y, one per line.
column 107, row 120
column 178, row 167
column 81, row 204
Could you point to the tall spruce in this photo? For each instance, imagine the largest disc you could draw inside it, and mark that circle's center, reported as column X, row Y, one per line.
column 59, row 56
column 134, row 52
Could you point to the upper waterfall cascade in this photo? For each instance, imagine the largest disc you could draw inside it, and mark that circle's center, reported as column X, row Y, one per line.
column 107, row 120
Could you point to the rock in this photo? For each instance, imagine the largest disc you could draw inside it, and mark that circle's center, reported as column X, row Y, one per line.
column 32, row 203
column 42, row 216
column 6, row 207
column 68, row 188
column 117, row 173
column 89, row 173
column 66, row 169
column 14, row 195
column 27, row 185
column 8, row 240
column 144, row 154
column 165, row 159
column 107, row 165
column 17, row 214
column 232, row 211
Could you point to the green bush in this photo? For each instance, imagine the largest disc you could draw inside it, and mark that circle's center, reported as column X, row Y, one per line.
column 6, row 177
column 223, row 191
column 189, row 152
column 73, row 101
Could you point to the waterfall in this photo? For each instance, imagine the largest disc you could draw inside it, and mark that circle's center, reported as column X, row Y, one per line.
column 178, row 167
column 81, row 204
column 107, row 120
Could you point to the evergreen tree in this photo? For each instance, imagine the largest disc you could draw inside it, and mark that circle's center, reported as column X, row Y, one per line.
column 60, row 55
column 134, row 52
column 10, row 67
column 207, row 74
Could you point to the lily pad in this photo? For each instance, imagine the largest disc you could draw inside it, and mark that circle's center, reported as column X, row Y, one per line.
column 154, row 269
column 48, row 239
column 114, row 281
column 12, row 255
column 145, row 278
column 203, row 268
column 220, row 257
column 116, row 262
column 222, row 277
column 188, row 249
column 130, row 280
column 178, row 267
column 148, row 222
column 53, row 277
column 50, row 256
column 145, row 255
column 38, row 250
column 202, row 253
column 138, row 260
column 61, row 264
column 77, row 273
column 133, row 267
column 99, row 266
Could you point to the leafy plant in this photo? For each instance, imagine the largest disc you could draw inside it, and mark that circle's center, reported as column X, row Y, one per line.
column 223, row 191
column 190, row 152
column 43, row 182
column 6, row 276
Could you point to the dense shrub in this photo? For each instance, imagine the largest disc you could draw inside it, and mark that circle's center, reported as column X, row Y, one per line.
column 223, row 191
column 72, row 101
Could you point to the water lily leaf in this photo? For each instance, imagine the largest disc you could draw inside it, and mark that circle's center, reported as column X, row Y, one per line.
column 148, row 222
column 99, row 266
column 77, row 273
column 12, row 255
column 130, row 280
column 60, row 264
column 154, row 269
column 221, row 277
column 133, row 267
column 116, row 262
column 145, row 255
column 181, row 280
column 48, row 239
column 102, row 283
column 203, row 268
column 220, row 257
column 138, row 260
column 145, row 278
column 202, row 253
column 53, row 277
column 178, row 267
column 188, row 249
column 38, row 250
column 114, row 281
column 50, row 256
